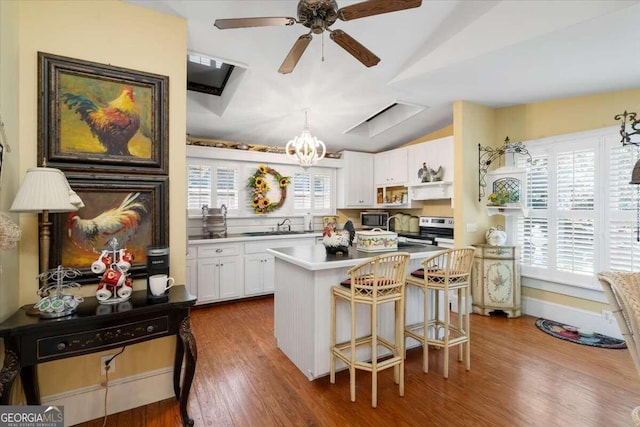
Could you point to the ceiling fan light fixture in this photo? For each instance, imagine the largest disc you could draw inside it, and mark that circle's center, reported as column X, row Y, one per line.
column 305, row 149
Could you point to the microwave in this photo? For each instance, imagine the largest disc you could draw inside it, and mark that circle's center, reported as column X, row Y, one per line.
column 369, row 220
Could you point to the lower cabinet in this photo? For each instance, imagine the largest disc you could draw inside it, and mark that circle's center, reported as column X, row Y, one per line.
column 259, row 273
column 220, row 273
column 192, row 270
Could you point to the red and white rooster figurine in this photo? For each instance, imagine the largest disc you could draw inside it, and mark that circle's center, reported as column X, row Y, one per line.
column 335, row 241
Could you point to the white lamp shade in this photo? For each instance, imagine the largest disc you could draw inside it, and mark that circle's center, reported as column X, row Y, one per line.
column 45, row 189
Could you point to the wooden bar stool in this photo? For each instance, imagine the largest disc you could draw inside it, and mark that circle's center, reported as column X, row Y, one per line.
column 449, row 271
column 374, row 282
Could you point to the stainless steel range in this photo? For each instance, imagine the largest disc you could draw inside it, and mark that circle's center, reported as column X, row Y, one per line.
column 434, row 231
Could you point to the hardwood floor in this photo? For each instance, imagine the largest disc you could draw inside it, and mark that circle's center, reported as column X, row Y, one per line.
column 519, row 376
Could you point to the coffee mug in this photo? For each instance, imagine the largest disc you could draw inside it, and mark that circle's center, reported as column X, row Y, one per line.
column 159, row 283
column 113, row 277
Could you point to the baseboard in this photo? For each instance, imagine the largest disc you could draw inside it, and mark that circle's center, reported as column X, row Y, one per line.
column 564, row 314
column 87, row 403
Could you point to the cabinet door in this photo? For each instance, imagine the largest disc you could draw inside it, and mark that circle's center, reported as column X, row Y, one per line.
column 397, row 166
column 192, row 276
column 499, row 283
column 208, row 278
column 269, row 272
column 381, row 169
column 230, row 277
column 359, row 182
column 254, row 273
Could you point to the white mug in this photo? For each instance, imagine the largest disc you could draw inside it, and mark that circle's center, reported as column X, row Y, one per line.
column 159, row 283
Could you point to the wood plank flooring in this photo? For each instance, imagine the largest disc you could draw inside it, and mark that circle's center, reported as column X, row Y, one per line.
column 519, row 376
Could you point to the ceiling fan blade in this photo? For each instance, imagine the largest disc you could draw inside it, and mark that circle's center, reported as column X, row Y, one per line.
column 225, row 24
column 351, row 45
column 295, row 53
column 375, row 7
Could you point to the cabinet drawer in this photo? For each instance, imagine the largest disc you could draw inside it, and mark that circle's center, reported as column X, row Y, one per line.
column 210, row 251
column 79, row 342
column 496, row 252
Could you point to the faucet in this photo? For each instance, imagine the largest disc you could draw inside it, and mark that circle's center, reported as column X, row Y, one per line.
column 284, row 221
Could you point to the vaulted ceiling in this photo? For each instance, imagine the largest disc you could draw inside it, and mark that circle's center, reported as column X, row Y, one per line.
column 495, row 53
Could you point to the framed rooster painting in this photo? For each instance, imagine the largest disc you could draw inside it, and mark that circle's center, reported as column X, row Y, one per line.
column 98, row 117
column 133, row 210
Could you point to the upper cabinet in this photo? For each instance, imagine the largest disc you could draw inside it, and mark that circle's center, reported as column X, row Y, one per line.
column 390, row 168
column 434, row 154
column 355, row 180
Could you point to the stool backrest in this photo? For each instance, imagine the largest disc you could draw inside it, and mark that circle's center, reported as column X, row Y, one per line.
column 382, row 276
column 623, row 293
column 451, row 265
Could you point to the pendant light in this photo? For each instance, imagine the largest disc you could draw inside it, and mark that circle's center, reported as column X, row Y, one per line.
column 305, row 149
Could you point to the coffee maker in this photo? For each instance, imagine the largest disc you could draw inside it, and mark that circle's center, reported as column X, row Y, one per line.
column 157, row 263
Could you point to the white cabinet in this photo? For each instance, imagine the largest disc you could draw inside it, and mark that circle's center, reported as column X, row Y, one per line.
column 192, row 270
column 259, row 273
column 220, row 272
column 355, row 180
column 435, row 154
column 390, row 167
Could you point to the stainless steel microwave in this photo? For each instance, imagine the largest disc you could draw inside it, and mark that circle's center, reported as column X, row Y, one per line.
column 369, row 220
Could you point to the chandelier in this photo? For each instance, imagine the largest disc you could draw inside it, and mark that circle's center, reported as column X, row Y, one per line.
column 305, row 149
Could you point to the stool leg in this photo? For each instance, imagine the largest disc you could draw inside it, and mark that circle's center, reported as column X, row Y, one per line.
column 425, row 336
column 332, row 344
column 398, row 314
column 352, row 363
column 447, row 320
column 468, row 327
column 400, row 342
column 374, row 354
column 461, row 311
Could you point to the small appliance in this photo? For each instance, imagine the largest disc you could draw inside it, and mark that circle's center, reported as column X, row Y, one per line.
column 374, row 219
column 157, row 263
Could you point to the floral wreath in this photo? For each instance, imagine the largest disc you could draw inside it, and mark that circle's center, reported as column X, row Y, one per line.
column 260, row 187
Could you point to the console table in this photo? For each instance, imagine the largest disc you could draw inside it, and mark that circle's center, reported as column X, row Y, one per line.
column 96, row 327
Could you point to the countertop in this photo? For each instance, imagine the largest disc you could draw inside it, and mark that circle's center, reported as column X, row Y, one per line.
column 315, row 257
column 240, row 237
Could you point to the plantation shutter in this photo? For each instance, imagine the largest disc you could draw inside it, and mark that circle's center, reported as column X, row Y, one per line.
column 533, row 230
column 227, row 188
column 302, row 191
column 321, row 192
column 198, row 186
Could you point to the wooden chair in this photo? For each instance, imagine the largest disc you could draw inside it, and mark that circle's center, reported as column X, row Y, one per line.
column 377, row 281
column 623, row 293
column 446, row 272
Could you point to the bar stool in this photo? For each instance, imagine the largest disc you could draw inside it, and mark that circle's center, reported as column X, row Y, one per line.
column 445, row 272
column 374, row 282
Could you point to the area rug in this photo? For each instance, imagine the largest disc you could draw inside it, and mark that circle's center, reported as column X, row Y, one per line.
column 570, row 333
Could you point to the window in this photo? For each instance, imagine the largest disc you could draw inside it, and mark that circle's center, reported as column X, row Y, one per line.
column 313, row 191
column 581, row 209
column 211, row 184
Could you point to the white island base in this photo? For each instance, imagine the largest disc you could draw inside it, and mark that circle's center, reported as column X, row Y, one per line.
column 302, row 314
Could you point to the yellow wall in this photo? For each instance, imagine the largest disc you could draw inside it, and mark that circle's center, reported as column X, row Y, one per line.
column 117, row 33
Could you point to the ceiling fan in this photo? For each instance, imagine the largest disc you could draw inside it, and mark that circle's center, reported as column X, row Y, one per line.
column 318, row 16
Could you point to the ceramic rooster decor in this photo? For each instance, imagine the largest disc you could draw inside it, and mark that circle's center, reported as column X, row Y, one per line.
column 335, row 242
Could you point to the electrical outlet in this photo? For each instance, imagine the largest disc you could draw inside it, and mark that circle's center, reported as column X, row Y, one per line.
column 103, row 364
column 607, row 316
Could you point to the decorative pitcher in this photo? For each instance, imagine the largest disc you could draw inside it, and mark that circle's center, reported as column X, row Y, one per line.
column 496, row 236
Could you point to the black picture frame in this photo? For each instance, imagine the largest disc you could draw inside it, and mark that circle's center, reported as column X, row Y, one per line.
column 87, row 117
column 78, row 242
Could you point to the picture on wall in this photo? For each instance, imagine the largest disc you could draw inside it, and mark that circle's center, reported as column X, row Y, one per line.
column 133, row 210
column 96, row 117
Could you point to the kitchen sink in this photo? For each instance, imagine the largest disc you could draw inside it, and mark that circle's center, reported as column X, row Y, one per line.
column 271, row 233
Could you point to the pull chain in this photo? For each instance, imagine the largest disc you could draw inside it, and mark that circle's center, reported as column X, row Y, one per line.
column 323, row 52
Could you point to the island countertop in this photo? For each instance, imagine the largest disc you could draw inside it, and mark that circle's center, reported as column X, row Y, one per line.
column 315, row 257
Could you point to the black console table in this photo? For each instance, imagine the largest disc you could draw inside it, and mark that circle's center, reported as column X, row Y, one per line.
column 95, row 327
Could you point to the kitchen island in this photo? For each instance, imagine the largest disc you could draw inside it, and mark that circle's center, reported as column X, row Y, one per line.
column 304, row 276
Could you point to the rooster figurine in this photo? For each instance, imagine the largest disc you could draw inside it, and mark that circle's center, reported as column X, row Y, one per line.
column 114, row 124
column 335, row 242
column 121, row 223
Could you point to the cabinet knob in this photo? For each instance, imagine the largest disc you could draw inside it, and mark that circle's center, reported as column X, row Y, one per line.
column 218, row 250
column 61, row 346
column 150, row 328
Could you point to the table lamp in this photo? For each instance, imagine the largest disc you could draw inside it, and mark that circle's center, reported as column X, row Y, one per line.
column 45, row 190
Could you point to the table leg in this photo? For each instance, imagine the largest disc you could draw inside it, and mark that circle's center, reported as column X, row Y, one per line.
column 29, row 377
column 189, row 343
column 10, row 369
column 177, row 366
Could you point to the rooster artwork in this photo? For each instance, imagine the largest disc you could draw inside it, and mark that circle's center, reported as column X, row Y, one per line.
column 113, row 124
column 92, row 234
